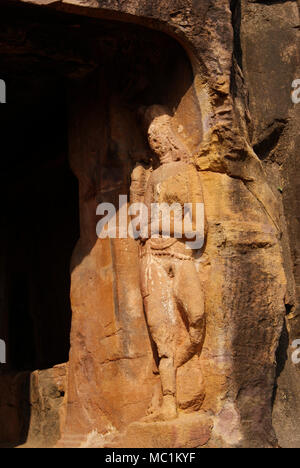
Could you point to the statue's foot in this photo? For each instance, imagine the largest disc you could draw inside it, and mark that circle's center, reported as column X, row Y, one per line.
column 166, row 412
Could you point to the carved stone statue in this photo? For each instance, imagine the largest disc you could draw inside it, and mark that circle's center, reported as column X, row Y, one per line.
column 169, row 278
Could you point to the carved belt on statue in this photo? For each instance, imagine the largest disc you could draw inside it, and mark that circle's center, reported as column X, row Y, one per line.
column 170, row 248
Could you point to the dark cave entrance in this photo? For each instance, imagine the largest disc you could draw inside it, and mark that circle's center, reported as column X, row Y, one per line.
column 38, row 218
column 39, row 222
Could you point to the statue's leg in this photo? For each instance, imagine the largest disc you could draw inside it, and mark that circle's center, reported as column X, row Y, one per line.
column 160, row 314
column 189, row 296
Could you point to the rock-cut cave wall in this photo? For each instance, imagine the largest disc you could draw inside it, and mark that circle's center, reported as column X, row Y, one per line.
column 222, row 70
column 267, row 52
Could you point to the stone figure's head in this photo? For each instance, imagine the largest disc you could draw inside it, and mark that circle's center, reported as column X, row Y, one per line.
column 161, row 137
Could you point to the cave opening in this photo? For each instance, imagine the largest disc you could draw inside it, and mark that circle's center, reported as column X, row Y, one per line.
column 39, row 221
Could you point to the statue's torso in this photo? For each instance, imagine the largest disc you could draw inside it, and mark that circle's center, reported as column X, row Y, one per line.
column 176, row 182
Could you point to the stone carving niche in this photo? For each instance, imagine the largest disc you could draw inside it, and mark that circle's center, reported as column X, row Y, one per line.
column 157, row 111
column 146, row 83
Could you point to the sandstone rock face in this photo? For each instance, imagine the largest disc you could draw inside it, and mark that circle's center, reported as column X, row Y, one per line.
column 274, row 125
column 176, row 101
column 32, row 407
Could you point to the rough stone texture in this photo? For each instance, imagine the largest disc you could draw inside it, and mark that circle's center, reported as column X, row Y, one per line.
column 31, row 407
column 189, row 431
column 274, row 128
column 47, row 398
column 241, row 150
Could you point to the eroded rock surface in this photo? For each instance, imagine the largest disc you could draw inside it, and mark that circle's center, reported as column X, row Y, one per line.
column 201, row 62
column 32, row 407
